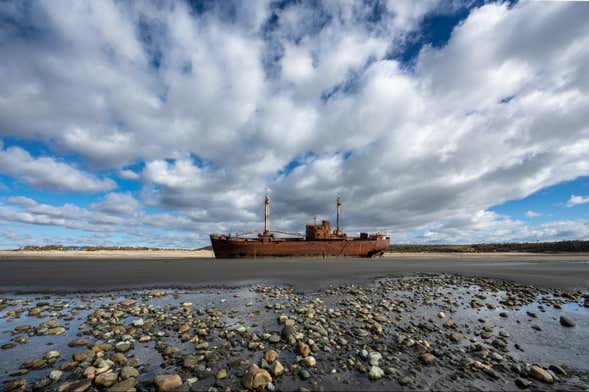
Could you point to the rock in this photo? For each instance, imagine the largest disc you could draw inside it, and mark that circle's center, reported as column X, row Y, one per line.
column 106, row 379
column 405, row 380
column 127, row 385
column 558, row 370
column 55, row 375
column 167, row 382
column 51, row 355
column 79, row 342
column 303, row 349
column 118, row 358
column 256, row 378
column 8, row 346
column 374, row 358
column 270, row 356
column 441, row 315
column 375, row 373
column 144, row 339
column 189, row 362
column 455, row 337
column 129, row 372
column 15, row 385
column 310, row 361
column 123, row 347
column 56, row 331
column 41, row 384
column 537, row 372
column 522, row 383
column 289, row 334
column 75, row 386
column 566, row 321
column 221, row 374
column 304, row 374
column 82, row 356
column 276, row 369
column 90, row 372
column 427, row 358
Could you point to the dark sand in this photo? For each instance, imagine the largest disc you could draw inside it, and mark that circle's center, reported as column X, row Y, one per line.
column 560, row 271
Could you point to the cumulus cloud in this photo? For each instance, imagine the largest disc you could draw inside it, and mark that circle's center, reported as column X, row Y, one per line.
column 48, row 173
column 532, row 214
column 576, row 200
column 306, row 98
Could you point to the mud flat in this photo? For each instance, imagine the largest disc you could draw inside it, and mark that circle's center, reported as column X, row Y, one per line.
column 418, row 332
column 75, row 273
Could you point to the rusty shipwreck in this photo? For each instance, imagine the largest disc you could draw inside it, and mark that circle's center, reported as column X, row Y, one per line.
column 318, row 241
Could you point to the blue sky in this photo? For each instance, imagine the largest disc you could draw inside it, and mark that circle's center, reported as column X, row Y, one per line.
column 157, row 123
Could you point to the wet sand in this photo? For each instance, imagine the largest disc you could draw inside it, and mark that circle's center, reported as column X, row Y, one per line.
column 72, row 274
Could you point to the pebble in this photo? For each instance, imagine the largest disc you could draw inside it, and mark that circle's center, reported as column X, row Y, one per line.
column 427, row 358
column 540, row 374
column 55, row 375
column 106, row 379
column 276, row 369
column 167, row 382
column 256, row 378
column 375, row 373
column 566, row 321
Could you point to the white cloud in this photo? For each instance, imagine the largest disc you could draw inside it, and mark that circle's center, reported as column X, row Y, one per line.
column 576, row 200
column 128, row 174
column 48, row 173
column 532, row 214
column 217, row 104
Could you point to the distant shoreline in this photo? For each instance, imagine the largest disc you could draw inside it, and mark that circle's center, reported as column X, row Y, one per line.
column 207, row 254
column 92, row 254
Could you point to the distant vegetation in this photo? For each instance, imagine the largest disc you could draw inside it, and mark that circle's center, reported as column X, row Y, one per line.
column 532, row 247
column 88, row 248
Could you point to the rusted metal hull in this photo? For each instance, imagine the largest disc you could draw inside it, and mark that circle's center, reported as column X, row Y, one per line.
column 225, row 247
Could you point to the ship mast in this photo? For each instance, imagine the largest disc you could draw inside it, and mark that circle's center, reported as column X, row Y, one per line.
column 338, row 210
column 267, row 213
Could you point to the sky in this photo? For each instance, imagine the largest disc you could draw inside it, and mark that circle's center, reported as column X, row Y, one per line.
column 155, row 123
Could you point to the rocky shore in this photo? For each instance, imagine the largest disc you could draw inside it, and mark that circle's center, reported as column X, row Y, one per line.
column 418, row 333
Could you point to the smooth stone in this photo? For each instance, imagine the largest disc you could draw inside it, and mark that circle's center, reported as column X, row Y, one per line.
column 129, row 372
column 374, row 358
column 276, row 369
column 405, row 380
column 304, row 374
column 310, row 361
column 558, row 370
column 303, row 349
column 427, row 358
column 75, row 386
column 541, row 374
column 127, row 385
column 167, row 382
column 14, row 385
column 55, row 375
column 256, row 378
column 522, row 383
column 106, row 379
column 566, row 321
column 375, row 373
column 221, row 374
column 79, row 342
column 123, row 347
column 270, row 356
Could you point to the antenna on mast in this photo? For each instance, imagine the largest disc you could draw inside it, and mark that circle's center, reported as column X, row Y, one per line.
column 267, row 211
column 338, row 211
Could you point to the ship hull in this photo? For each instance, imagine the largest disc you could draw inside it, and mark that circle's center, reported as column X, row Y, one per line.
column 224, row 247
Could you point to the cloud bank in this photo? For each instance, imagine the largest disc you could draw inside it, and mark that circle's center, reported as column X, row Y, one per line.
column 206, row 107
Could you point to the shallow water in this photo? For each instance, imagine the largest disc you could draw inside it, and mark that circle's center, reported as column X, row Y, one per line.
column 554, row 344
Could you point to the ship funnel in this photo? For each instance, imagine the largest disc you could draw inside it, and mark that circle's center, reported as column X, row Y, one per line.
column 338, row 211
column 267, row 213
